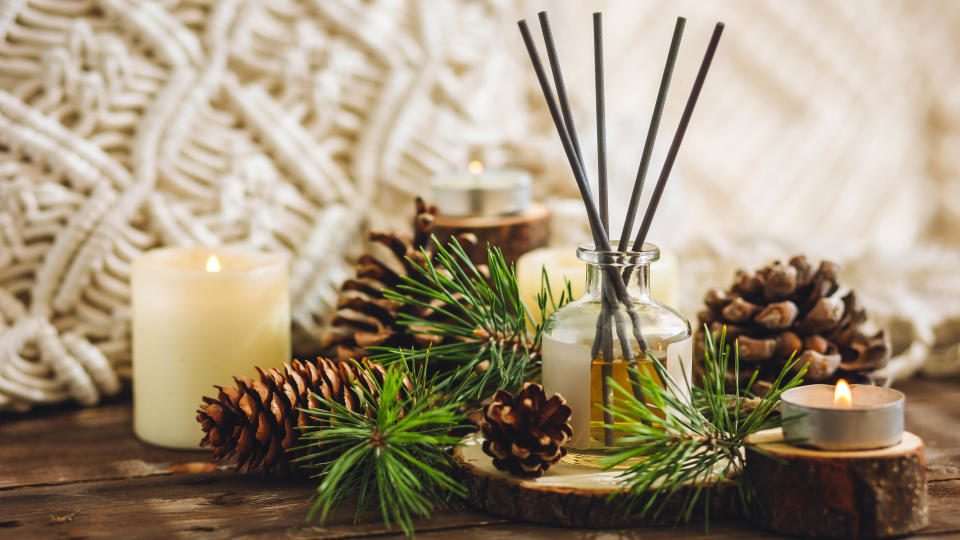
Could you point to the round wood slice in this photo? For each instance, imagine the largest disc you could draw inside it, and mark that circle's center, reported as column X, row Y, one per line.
column 513, row 234
column 833, row 494
column 568, row 494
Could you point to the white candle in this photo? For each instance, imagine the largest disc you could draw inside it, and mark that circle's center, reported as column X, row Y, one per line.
column 562, row 264
column 201, row 316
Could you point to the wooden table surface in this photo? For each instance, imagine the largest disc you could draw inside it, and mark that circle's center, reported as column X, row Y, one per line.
column 82, row 474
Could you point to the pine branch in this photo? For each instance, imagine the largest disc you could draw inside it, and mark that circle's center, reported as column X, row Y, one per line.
column 488, row 343
column 672, row 444
column 392, row 455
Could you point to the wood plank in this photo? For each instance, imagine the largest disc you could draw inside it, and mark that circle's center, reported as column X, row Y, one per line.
column 98, row 443
column 226, row 505
column 944, row 498
column 932, row 405
column 71, row 459
column 209, row 505
column 727, row 530
column 79, row 446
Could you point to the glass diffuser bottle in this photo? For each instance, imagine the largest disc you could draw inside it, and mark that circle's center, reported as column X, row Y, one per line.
column 576, row 366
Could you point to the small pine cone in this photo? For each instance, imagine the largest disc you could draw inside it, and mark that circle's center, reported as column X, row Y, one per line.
column 525, row 434
column 793, row 309
column 258, row 419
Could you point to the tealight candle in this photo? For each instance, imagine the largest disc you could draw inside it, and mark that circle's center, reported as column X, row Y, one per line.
column 201, row 316
column 843, row 417
column 482, row 192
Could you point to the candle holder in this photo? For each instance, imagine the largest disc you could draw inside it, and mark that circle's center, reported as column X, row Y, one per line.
column 841, row 467
column 495, row 207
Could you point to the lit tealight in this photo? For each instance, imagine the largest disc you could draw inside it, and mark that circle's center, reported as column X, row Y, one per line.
column 825, row 416
column 475, row 167
column 213, row 264
column 841, row 396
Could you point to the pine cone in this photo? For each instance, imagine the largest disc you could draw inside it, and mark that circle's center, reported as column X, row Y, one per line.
column 257, row 420
column 787, row 308
column 525, row 435
column 364, row 318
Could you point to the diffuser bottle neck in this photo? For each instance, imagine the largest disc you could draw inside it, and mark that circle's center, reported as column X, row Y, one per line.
column 635, row 277
column 604, row 266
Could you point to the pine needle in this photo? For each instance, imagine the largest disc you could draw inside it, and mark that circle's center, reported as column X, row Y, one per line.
column 393, row 454
column 671, row 444
column 488, row 343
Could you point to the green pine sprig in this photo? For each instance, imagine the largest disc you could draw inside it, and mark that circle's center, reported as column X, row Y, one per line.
column 672, row 444
column 489, row 344
column 392, row 454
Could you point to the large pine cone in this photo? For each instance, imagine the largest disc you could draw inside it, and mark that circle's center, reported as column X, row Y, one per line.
column 364, row 318
column 257, row 420
column 787, row 308
column 525, row 434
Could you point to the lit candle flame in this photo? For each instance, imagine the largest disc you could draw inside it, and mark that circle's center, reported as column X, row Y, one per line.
column 841, row 396
column 213, row 264
column 475, row 167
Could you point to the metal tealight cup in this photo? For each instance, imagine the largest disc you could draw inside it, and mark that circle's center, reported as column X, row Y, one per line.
column 811, row 419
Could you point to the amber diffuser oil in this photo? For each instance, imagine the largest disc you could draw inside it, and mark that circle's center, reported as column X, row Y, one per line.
column 619, row 372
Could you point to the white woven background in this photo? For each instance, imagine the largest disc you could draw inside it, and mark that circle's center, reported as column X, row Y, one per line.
column 825, row 127
column 830, row 128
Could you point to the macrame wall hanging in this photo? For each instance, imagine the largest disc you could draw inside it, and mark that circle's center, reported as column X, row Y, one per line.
column 293, row 125
column 126, row 125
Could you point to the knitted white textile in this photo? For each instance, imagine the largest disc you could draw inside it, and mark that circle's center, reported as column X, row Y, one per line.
column 279, row 124
column 825, row 128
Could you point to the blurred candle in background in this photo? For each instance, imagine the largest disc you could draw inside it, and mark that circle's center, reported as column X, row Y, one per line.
column 561, row 264
column 479, row 191
column 495, row 206
column 200, row 316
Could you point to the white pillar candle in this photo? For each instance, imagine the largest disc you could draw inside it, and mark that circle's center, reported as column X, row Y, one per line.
column 561, row 263
column 200, row 316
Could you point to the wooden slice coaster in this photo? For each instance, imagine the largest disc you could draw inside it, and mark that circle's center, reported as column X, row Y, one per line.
column 831, row 494
column 514, row 235
column 568, row 494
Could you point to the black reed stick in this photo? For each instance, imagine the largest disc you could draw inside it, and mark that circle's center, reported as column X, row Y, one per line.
column 604, row 332
column 561, row 87
column 651, row 134
column 616, row 292
column 601, row 120
column 579, row 174
column 678, row 138
column 600, row 235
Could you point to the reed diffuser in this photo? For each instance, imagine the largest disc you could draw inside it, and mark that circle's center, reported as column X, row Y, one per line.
column 617, row 325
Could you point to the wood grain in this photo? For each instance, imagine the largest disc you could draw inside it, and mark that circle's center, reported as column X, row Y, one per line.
column 85, row 468
column 568, row 494
column 874, row 493
column 933, row 413
column 81, row 446
column 210, row 505
column 514, row 234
